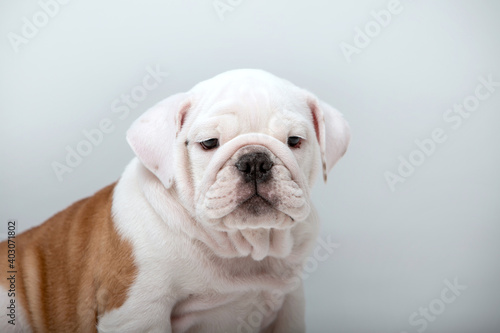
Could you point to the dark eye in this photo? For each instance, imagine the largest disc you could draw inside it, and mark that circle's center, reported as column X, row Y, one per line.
column 210, row 144
column 294, row 141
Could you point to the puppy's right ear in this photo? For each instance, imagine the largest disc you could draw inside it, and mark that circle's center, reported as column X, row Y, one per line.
column 332, row 131
column 152, row 136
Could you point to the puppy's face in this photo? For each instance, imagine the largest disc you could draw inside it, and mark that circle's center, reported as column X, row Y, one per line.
column 244, row 149
column 251, row 152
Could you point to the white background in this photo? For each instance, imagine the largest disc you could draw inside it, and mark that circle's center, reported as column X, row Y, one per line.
column 396, row 247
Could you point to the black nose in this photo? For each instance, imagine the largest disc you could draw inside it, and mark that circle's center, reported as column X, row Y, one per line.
column 255, row 167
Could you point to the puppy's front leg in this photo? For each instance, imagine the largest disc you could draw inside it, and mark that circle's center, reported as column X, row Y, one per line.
column 291, row 317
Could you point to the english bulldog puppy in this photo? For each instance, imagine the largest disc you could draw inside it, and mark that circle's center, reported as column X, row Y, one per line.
column 207, row 230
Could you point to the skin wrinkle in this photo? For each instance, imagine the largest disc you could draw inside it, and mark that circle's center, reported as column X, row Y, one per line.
column 271, row 199
column 213, row 168
column 219, row 197
column 262, row 244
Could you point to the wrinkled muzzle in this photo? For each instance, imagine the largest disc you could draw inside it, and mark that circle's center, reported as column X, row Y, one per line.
column 252, row 181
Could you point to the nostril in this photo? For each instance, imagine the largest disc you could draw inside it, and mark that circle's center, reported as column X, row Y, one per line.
column 265, row 166
column 268, row 165
column 244, row 166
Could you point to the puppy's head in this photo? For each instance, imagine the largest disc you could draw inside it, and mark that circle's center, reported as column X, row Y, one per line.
column 241, row 149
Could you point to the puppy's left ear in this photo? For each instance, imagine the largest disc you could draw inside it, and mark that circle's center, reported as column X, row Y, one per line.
column 332, row 132
column 152, row 136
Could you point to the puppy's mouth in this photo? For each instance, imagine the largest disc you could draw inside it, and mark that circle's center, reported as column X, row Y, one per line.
column 256, row 204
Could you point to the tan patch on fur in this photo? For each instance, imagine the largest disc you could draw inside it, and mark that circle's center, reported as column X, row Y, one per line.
column 73, row 268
